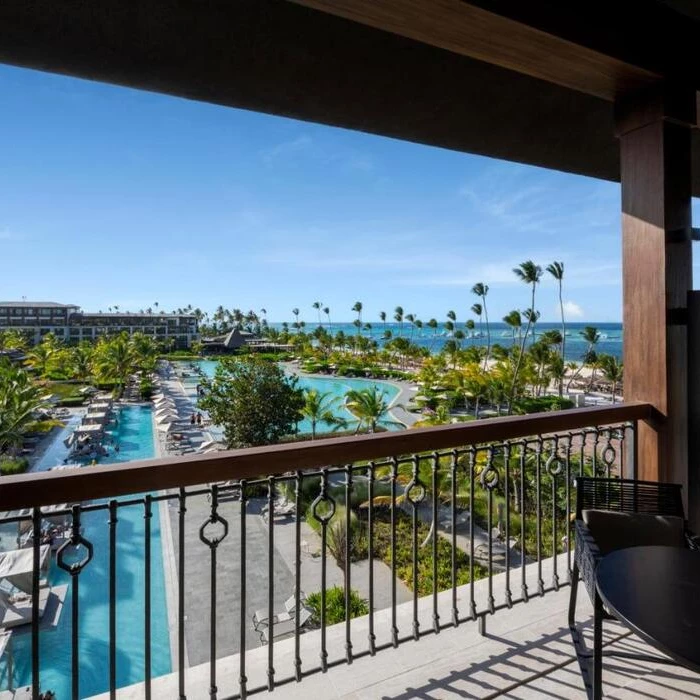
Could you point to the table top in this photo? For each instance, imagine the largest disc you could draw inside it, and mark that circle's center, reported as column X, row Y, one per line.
column 656, row 592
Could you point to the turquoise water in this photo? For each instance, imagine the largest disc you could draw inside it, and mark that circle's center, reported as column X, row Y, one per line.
column 135, row 436
column 337, row 387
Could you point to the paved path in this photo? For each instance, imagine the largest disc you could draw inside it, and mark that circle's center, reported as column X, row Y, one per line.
column 229, row 564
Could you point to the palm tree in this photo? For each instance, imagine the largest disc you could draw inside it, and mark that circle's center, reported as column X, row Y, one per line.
column 556, row 269
column 481, row 290
column 411, row 319
column 327, row 311
column 317, row 305
column 40, row 357
column 295, row 312
column 515, row 321
column 612, row 371
column 115, row 360
column 369, row 406
column 530, row 274
column 357, row 308
column 81, row 360
column 318, row 408
column 452, row 316
column 478, row 310
column 432, row 323
column 398, row 317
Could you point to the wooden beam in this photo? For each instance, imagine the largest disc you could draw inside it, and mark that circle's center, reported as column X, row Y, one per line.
column 657, row 275
column 46, row 488
column 463, row 28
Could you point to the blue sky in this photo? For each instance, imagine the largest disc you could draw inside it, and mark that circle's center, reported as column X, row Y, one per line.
column 113, row 196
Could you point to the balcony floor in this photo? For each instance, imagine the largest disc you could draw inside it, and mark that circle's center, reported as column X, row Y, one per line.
column 526, row 653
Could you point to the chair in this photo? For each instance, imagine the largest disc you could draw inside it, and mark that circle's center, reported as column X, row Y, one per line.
column 614, row 514
column 261, row 619
column 286, row 627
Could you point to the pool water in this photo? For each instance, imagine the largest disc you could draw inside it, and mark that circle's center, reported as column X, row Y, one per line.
column 136, row 441
column 336, row 387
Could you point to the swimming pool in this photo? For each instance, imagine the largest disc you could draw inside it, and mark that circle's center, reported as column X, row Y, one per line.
column 135, row 436
column 336, row 387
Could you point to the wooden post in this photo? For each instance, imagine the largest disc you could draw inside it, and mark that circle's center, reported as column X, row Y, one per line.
column 655, row 146
column 693, row 510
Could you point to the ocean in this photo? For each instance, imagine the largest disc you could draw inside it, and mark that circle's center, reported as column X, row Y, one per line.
column 610, row 335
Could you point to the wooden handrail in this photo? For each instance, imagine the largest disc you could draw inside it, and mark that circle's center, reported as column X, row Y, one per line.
column 46, row 488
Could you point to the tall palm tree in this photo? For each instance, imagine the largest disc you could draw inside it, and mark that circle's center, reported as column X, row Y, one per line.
column 530, row 274
column 556, row 269
column 382, row 318
column 411, row 319
column 481, row 290
column 327, row 311
column 432, row 323
column 398, row 317
column 295, row 311
column 357, row 308
column 318, row 408
column 317, row 305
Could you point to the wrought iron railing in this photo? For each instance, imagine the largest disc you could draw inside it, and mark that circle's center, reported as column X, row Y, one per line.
column 491, row 497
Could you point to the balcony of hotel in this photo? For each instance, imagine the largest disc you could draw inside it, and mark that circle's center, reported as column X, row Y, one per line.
column 206, row 576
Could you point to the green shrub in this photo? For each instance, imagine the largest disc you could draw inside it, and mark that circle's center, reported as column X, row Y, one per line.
column 18, row 465
column 146, row 389
column 539, row 404
column 335, row 605
column 72, row 401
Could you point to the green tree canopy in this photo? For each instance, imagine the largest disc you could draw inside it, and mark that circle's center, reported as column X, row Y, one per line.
column 253, row 400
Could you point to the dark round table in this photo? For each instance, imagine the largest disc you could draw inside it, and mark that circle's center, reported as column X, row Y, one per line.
column 656, row 592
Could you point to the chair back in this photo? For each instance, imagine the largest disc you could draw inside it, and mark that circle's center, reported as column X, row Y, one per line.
column 628, row 496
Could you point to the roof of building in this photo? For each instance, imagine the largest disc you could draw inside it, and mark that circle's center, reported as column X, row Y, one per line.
column 129, row 314
column 532, row 82
column 37, row 304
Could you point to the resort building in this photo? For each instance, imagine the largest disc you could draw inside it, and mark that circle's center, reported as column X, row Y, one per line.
column 70, row 324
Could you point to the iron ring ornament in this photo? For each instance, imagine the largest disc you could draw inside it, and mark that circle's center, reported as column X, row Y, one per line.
column 415, row 492
column 553, row 465
column 213, row 540
column 73, row 546
column 328, row 511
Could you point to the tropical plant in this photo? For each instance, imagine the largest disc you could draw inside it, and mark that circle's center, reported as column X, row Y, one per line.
column 369, row 406
column 612, row 370
column 556, row 269
column 318, row 408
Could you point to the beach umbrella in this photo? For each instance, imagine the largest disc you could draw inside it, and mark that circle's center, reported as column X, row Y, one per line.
column 167, row 412
column 212, row 448
column 166, row 427
column 420, row 397
column 209, row 443
column 167, row 419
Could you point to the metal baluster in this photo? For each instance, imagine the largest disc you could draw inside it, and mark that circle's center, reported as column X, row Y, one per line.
column 538, row 496
column 348, row 538
column 270, row 583
column 242, row 678
column 596, row 438
column 472, row 601
column 582, row 454
column 147, row 516
column 567, row 467
column 181, row 595
column 213, row 541
column 112, row 599
column 523, row 582
column 553, row 466
column 436, row 616
column 36, row 545
column 506, row 465
column 370, row 556
column 324, row 517
column 74, row 568
column 415, row 501
column 453, row 515
column 394, row 628
column 297, row 575
column 489, row 481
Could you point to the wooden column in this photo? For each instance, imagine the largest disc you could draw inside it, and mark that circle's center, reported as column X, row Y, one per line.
column 655, row 141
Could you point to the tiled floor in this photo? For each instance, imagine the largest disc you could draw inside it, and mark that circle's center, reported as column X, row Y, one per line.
column 527, row 652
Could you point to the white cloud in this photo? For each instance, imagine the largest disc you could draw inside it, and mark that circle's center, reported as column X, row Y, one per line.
column 572, row 310
column 286, row 148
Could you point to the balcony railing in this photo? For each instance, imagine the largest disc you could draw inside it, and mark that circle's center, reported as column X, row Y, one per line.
column 476, row 500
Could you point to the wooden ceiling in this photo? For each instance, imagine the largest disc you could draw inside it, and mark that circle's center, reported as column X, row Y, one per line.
column 530, row 82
